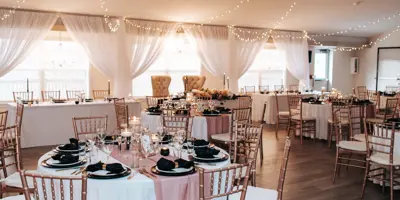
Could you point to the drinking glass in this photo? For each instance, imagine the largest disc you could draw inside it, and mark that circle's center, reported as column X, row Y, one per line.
column 107, row 148
column 190, row 145
column 101, row 133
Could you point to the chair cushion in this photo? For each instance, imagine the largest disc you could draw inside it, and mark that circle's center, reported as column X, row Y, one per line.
column 382, row 158
column 14, row 180
column 353, row 145
column 283, row 113
column 379, row 116
column 343, row 122
column 374, row 120
column 256, row 193
column 19, row 197
column 360, row 137
column 297, row 117
column 225, row 137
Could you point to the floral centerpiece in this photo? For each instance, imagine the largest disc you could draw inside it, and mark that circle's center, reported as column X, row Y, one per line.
column 214, row 94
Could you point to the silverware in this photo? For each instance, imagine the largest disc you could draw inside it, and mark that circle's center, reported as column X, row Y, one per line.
column 141, row 171
column 149, row 173
column 80, row 171
column 66, row 169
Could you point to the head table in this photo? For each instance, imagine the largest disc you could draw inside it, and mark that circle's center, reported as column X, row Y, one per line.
column 139, row 187
column 53, row 121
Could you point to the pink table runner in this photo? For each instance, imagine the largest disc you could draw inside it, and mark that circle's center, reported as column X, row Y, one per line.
column 217, row 125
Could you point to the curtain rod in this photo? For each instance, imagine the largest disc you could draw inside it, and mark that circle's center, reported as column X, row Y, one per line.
column 54, row 12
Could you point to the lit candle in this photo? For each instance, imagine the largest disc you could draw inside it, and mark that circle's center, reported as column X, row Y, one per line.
column 109, row 88
column 126, row 133
column 228, row 81
column 224, row 80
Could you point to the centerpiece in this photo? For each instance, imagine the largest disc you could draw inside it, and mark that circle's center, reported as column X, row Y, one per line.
column 214, row 94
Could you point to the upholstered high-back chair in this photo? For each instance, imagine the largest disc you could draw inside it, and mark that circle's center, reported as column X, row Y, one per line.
column 160, row 85
column 193, row 82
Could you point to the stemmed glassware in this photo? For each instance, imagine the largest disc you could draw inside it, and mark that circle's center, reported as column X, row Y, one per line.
column 101, row 134
column 179, row 138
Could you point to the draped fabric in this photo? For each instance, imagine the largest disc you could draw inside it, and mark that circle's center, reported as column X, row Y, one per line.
column 19, row 34
column 296, row 48
column 146, row 41
column 94, row 35
column 212, row 47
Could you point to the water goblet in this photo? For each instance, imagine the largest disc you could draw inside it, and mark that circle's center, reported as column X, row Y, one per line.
column 101, row 133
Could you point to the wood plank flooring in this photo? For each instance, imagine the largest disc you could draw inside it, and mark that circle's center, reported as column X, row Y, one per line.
column 309, row 175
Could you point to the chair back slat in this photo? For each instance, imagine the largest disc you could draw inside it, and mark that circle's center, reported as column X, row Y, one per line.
column 355, row 119
column 374, row 97
column 24, row 96
column 249, row 89
column 283, row 169
column 381, row 139
column 53, row 187
column 88, row 125
column 278, row 87
column 154, row 101
column 294, row 88
column 392, row 105
column 100, row 94
column 73, row 95
column 177, row 123
column 3, row 119
column 362, row 92
column 294, row 102
column 232, row 172
column 49, row 95
column 245, row 101
column 263, row 88
column 10, row 148
column 122, row 113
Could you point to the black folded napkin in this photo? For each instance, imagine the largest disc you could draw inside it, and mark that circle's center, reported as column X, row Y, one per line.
column 73, row 145
column 155, row 109
column 200, row 143
column 206, row 152
column 208, row 112
column 113, row 168
column 66, row 158
column 166, row 139
column 167, row 165
column 308, row 99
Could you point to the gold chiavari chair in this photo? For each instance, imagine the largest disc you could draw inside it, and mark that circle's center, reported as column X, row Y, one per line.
column 100, row 94
column 173, row 124
column 337, row 104
column 18, row 117
column 227, row 184
column 154, row 101
column 388, row 112
column 298, row 121
column 261, row 193
column 49, row 95
column 247, row 144
column 245, row 101
column 3, row 119
column 249, row 89
column 53, row 187
column 356, row 120
column 239, row 116
column 122, row 113
column 362, row 92
column 73, row 95
column 88, row 125
column 392, row 88
column 175, row 112
column 278, row 87
column 264, row 88
column 282, row 117
column 24, row 96
column 345, row 145
column 204, row 98
column 374, row 97
column 10, row 158
column 380, row 151
column 293, row 88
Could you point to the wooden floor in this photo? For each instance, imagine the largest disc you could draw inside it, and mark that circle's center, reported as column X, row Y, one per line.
column 309, row 175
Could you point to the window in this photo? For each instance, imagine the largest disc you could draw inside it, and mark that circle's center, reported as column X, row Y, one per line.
column 179, row 58
column 267, row 69
column 52, row 65
column 321, row 66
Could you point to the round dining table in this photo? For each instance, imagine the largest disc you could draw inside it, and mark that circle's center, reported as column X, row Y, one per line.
column 322, row 113
column 140, row 187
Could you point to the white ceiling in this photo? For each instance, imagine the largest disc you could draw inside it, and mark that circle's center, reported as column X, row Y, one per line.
column 314, row 16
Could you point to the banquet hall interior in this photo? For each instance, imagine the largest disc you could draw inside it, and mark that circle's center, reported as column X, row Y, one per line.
column 200, row 99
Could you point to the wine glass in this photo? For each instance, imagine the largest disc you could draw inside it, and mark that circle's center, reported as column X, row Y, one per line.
column 101, row 134
column 107, row 148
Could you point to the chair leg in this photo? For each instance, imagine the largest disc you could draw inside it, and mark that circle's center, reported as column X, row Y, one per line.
column 348, row 162
column 315, row 130
column 288, row 128
column 365, row 179
column 329, row 135
column 253, row 180
column 262, row 150
column 277, row 127
column 335, row 171
column 384, row 180
column 391, row 182
column 301, row 132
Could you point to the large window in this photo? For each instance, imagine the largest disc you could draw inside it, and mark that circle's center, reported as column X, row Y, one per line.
column 267, row 70
column 179, row 58
column 321, row 66
column 52, row 65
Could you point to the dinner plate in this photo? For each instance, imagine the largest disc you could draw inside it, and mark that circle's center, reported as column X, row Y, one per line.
column 154, row 170
column 176, row 170
column 211, row 115
column 103, row 174
column 219, row 158
column 201, row 146
column 154, row 113
column 45, row 163
column 57, row 163
column 81, row 148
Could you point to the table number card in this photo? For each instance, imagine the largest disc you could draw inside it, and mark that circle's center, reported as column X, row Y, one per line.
column 146, row 144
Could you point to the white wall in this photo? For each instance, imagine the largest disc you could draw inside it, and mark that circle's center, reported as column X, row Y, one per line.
column 341, row 77
column 368, row 59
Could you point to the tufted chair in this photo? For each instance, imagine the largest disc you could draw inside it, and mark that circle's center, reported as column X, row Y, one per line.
column 193, row 82
column 160, row 85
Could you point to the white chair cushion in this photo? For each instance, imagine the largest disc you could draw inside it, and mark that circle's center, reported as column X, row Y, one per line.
column 225, row 137
column 379, row 116
column 360, row 137
column 255, row 193
column 353, row 145
column 383, row 159
column 343, row 122
column 14, row 180
column 19, row 197
column 283, row 113
column 297, row 117
column 374, row 120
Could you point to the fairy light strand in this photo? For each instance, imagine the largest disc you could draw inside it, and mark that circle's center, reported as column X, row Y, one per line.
column 228, row 11
column 279, row 22
column 113, row 27
column 16, row 6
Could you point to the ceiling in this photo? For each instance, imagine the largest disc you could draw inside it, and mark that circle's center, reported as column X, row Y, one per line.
column 314, row 16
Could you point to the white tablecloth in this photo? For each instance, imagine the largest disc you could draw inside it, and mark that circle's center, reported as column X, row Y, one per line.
column 322, row 112
column 199, row 125
column 139, row 187
column 51, row 124
column 270, row 111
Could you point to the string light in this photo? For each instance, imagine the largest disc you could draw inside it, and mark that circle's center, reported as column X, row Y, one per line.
column 283, row 17
column 16, row 6
column 228, row 11
column 145, row 27
column 111, row 26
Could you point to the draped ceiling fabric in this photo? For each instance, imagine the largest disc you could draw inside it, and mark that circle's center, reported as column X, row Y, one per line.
column 212, row 47
column 146, row 41
column 296, row 49
column 19, row 34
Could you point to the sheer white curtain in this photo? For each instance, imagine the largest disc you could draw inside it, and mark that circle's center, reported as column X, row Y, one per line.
column 296, row 49
column 19, row 34
column 94, row 35
column 212, row 47
column 243, row 53
column 146, row 41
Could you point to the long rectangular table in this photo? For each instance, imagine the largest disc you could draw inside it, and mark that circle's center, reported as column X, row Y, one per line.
column 51, row 124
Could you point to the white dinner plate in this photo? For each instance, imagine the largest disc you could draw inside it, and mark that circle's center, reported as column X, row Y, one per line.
column 220, row 155
column 176, row 170
column 105, row 172
column 81, row 148
column 57, row 163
